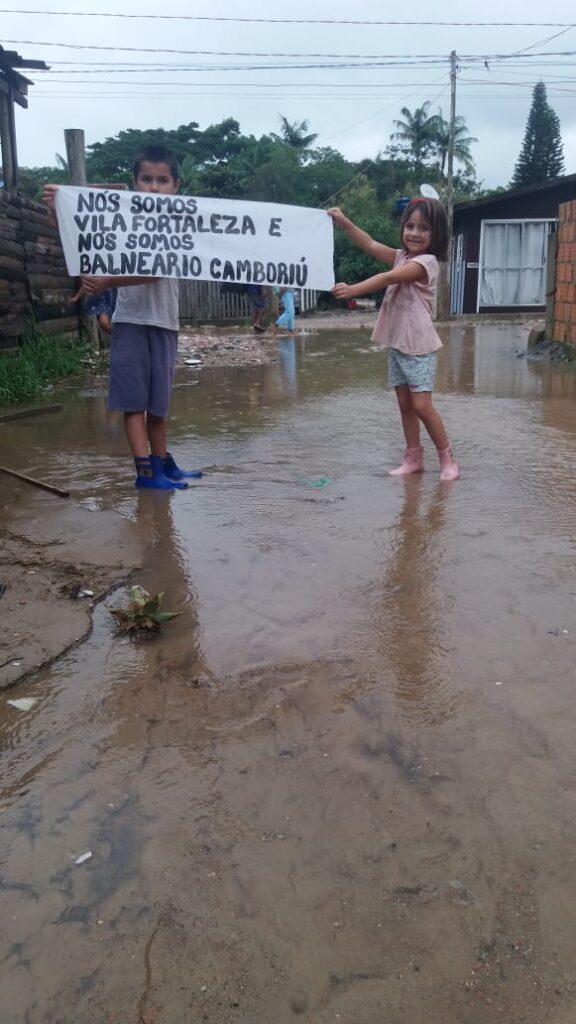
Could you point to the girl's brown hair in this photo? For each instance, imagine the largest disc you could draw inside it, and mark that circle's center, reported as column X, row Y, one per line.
column 435, row 215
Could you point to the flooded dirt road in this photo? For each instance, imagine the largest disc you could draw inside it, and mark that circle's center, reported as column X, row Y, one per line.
column 341, row 787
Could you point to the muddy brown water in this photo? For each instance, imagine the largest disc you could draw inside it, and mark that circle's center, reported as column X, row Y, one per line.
column 341, row 787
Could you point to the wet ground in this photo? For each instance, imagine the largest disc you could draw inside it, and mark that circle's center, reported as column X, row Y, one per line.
column 341, row 786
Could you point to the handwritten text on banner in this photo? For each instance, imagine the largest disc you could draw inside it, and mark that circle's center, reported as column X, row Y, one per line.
column 141, row 234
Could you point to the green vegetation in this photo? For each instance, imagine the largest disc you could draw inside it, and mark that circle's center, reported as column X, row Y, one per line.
column 422, row 139
column 38, row 362
column 541, row 158
column 377, row 217
column 142, row 614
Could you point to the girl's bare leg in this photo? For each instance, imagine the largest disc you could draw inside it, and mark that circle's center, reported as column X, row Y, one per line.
column 410, row 419
column 424, row 410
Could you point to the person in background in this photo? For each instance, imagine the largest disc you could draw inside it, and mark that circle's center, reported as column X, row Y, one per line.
column 101, row 306
column 256, row 295
column 286, row 318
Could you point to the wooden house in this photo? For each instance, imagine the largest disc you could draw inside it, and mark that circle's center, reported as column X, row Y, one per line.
column 500, row 248
column 34, row 285
column 13, row 90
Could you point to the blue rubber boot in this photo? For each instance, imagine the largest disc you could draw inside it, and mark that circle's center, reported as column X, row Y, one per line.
column 173, row 472
column 150, row 474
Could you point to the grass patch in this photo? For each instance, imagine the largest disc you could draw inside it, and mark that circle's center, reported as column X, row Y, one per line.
column 26, row 371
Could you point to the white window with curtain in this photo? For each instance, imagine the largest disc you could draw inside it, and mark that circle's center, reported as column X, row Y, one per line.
column 513, row 262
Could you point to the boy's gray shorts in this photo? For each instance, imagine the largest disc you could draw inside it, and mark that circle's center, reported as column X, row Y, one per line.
column 142, row 364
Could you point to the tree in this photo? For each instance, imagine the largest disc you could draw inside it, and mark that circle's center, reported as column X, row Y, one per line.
column 277, row 179
column 462, row 143
column 222, row 162
column 416, row 136
column 360, row 202
column 391, row 178
column 294, row 134
column 325, row 173
column 541, row 157
column 215, row 161
column 31, row 180
column 112, row 159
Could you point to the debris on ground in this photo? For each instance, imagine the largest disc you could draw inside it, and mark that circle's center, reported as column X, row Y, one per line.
column 142, row 614
column 318, row 481
column 233, row 347
column 461, row 893
column 22, row 703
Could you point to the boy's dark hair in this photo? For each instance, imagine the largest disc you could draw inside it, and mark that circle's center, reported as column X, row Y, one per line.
column 156, row 155
column 435, row 215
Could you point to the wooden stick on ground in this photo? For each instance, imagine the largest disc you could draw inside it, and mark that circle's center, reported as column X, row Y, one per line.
column 36, row 483
column 23, row 414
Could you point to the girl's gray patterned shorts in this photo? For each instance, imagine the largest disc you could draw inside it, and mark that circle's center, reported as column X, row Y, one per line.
column 418, row 372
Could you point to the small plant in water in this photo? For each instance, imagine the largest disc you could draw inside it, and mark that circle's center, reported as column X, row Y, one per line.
column 142, row 614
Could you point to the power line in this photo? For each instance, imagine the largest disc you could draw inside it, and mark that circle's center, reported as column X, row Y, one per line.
column 292, row 85
column 203, row 95
column 316, row 66
column 530, row 84
column 293, row 21
column 539, row 42
column 369, row 117
column 370, row 163
column 77, row 67
column 558, row 91
column 367, row 58
column 566, row 93
column 241, row 53
column 252, row 85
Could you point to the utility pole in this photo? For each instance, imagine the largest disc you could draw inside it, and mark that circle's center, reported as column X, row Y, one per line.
column 452, row 126
column 76, row 157
column 444, row 308
column 8, row 138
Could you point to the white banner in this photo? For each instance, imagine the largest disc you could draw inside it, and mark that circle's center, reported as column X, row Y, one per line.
column 141, row 234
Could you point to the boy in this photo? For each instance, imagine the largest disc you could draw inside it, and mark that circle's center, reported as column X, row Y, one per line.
column 144, row 342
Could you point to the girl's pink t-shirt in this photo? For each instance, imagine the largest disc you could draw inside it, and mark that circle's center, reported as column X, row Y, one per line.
column 405, row 318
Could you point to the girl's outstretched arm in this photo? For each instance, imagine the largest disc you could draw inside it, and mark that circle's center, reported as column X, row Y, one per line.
column 410, row 272
column 364, row 241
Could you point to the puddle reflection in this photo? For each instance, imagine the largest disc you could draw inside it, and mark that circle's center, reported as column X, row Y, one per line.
column 411, row 618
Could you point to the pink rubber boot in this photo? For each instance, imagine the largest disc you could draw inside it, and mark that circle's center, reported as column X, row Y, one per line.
column 413, row 463
column 449, row 469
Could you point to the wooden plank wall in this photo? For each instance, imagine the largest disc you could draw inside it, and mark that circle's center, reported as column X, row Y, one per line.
column 34, row 282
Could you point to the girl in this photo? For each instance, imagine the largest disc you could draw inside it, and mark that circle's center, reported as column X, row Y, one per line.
column 404, row 324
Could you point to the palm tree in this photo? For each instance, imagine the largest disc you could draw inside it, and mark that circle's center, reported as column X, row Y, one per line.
column 462, row 142
column 416, row 133
column 294, row 134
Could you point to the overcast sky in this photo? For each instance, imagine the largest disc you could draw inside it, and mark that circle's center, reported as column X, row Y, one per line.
column 351, row 108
